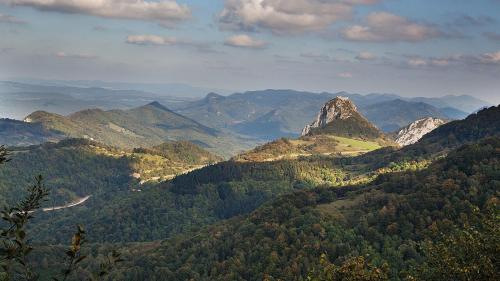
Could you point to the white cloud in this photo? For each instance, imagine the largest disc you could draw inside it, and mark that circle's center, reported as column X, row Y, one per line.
column 156, row 40
column 421, row 62
column 417, row 62
column 491, row 58
column 10, row 19
column 166, row 12
column 345, row 75
column 285, row 16
column 487, row 59
column 383, row 26
column 365, row 56
column 244, row 41
column 440, row 62
column 74, row 55
column 150, row 40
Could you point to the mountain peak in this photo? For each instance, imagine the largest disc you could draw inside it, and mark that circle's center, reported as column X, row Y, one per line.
column 339, row 108
column 158, row 105
column 213, row 95
column 340, row 117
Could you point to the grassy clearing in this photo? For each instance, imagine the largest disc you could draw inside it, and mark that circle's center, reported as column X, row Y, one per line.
column 357, row 144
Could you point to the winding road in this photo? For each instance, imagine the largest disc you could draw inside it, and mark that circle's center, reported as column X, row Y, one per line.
column 69, row 205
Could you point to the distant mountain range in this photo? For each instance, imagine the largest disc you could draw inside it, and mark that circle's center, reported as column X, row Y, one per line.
column 142, row 126
column 271, row 114
column 262, row 115
column 392, row 115
column 20, row 99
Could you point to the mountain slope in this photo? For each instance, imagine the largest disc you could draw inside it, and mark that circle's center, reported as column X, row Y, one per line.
column 453, row 113
column 477, row 126
column 76, row 168
column 416, row 130
column 142, row 126
column 14, row 132
column 463, row 103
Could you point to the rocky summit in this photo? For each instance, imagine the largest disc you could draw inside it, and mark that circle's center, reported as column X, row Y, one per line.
column 340, row 117
column 339, row 108
column 416, row 130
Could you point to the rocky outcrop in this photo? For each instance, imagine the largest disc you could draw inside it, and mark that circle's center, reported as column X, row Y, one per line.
column 339, row 108
column 416, row 130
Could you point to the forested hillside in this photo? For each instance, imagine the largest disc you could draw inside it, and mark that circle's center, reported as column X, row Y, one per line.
column 147, row 125
column 16, row 133
column 76, row 168
column 387, row 221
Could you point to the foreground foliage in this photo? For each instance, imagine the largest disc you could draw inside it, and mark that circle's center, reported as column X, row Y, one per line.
column 16, row 247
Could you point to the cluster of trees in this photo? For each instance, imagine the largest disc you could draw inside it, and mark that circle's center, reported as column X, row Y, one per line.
column 72, row 169
column 181, row 152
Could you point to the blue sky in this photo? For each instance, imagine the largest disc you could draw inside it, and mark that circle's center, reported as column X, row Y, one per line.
column 408, row 47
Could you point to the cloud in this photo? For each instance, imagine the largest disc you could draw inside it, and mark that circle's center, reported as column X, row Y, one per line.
column 490, row 58
column 165, row 12
column 486, row 59
column 74, row 56
column 492, row 36
column 417, row 62
column 284, row 16
column 150, row 40
column 345, row 75
column 440, row 62
column 366, row 56
column 383, row 26
column 10, row 19
column 244, row 41
column 156, row 40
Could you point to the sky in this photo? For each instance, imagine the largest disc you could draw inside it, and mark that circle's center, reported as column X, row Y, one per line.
column 406, row 47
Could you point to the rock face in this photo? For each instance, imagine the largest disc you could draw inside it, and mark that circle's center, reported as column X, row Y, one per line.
column 416, row 130
column 339, row 108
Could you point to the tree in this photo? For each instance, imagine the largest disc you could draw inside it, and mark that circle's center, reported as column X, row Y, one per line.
column 353, row 269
